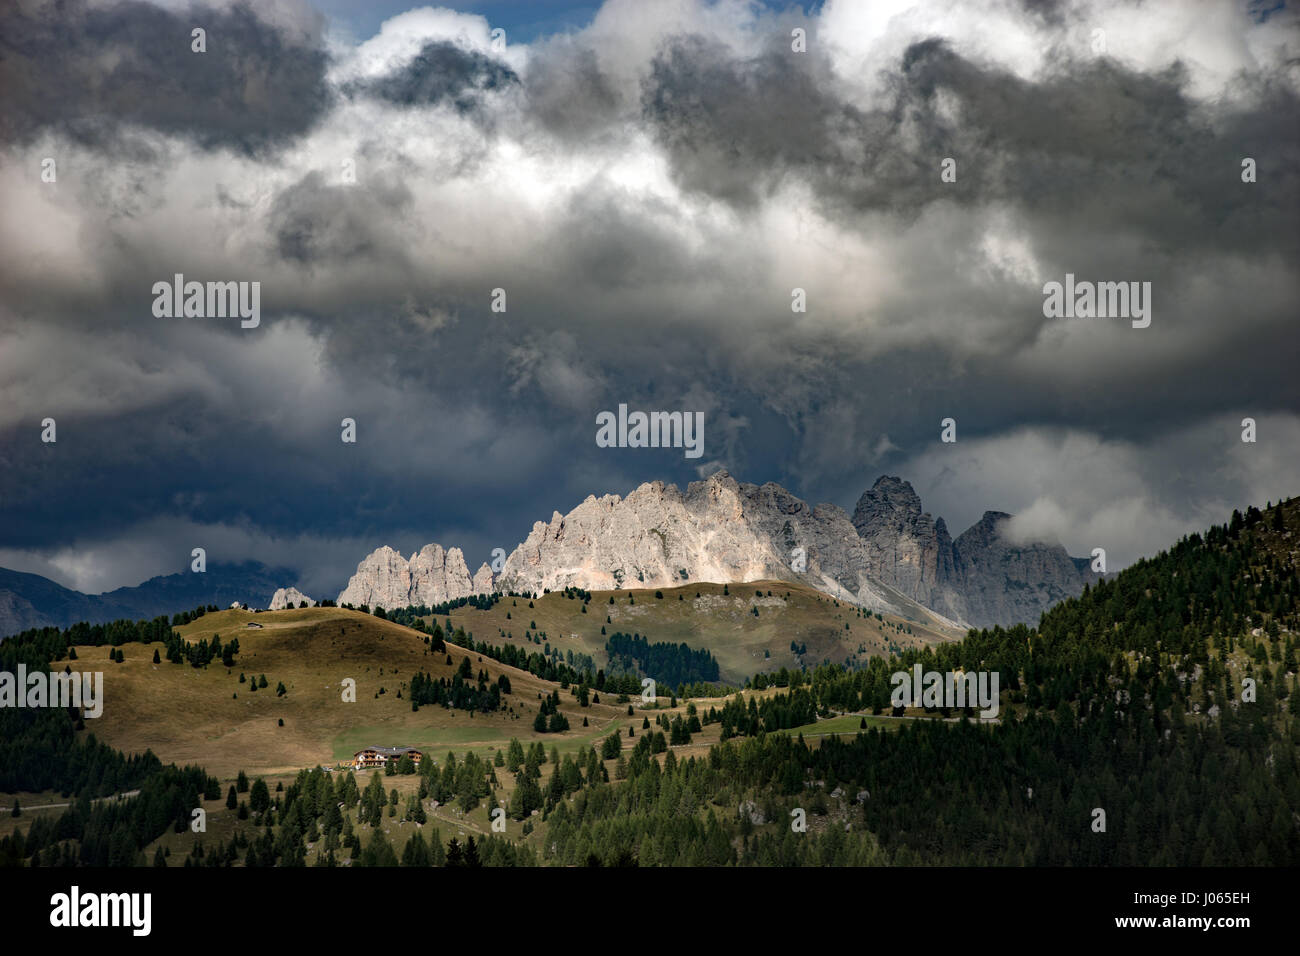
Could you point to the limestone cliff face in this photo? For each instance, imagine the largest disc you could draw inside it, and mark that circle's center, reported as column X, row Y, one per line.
column 483, row 580
column 438, row 575
column 908, row 549
column 288, row 597
column 431, row 576
column 890, row 557
column 980, row 578
column 717, row 530
column 1014, row 583
column 655, row 537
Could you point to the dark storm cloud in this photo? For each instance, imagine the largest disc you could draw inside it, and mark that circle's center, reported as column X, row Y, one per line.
column 568, row 93
column 1110, row 147
column 315, row 222
column 734, row 128
column 1094, row 141
column 442, row 73
column 96, row 72
column 614, row 245
column 632, row 196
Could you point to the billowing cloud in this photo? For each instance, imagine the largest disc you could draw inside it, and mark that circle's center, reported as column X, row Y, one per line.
column 443, row 73
column 95, row 72
column 472, row 247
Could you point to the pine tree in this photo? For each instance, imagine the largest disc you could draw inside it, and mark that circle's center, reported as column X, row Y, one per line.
column 259, row 797
column 378, row 852
column 416, row 852
column 514, row 755
column 455, row 856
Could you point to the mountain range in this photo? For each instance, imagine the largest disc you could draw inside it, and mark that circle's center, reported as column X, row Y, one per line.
column 890, row 556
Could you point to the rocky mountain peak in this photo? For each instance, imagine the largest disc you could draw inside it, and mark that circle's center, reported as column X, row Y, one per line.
column 890, row 555
column 906, row 548
column 431, row 576
column 288, row 597
column 980, row 578
column 985, row 532
column 889, row 496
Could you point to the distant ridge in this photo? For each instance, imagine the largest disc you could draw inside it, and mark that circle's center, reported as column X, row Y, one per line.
column 29, row 600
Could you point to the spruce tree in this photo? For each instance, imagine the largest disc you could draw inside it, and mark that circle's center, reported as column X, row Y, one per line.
column 416, row 852
column 259, row 797
column 455, row 856
column 378, row 852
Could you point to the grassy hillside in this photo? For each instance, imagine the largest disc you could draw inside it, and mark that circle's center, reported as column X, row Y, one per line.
column 188, row 715
column 207, row 716
column 718, row 618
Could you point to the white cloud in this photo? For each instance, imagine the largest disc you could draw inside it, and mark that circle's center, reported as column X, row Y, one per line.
column 1086, row 491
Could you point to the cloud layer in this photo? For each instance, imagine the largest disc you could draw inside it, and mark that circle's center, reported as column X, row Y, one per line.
column 647, row 192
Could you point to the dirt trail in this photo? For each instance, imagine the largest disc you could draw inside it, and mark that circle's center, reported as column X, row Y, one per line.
column 50, row 806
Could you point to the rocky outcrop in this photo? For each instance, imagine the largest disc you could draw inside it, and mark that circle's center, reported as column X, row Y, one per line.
column 980, row 578
column 821, row 546
column 1006, row 583
column 483, row 580
column 906, row 548
column 891, row 556
column 383, row 579
column 655, row 537
column 438, row 575
column 431, row 576
column 288, row 597
column 717, row 530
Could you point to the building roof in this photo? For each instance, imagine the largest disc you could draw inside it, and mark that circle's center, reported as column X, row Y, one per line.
column 387, row 751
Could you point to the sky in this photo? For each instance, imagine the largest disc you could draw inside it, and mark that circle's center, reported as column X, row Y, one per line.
column 648, row 182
